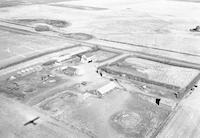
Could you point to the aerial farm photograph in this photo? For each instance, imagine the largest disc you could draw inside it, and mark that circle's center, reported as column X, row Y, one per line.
column 99, row 68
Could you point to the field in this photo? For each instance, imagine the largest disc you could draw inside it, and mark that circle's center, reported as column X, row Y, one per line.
column 164, row 30
column 18, row 47
column 152, row 78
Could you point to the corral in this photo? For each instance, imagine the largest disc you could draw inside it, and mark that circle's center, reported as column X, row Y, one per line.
column 149, row 75
column 130, row 114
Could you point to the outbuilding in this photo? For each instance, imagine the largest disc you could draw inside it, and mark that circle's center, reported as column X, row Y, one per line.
column 106, row 88
column 88, row 58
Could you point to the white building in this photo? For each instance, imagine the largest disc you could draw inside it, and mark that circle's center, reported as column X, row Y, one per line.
column 108, row 87
column 88, row 58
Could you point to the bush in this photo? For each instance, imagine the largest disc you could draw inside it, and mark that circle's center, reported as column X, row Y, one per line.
column 42, row 28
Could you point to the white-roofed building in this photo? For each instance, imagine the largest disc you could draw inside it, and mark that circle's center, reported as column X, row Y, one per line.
column 108, row 87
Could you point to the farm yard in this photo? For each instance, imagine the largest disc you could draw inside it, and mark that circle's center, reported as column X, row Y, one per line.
column 99, row 69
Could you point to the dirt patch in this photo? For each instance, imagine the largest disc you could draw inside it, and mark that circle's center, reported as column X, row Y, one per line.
column 51, row 22
column 126, row 121
column 79, row 7
column 78, row 36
